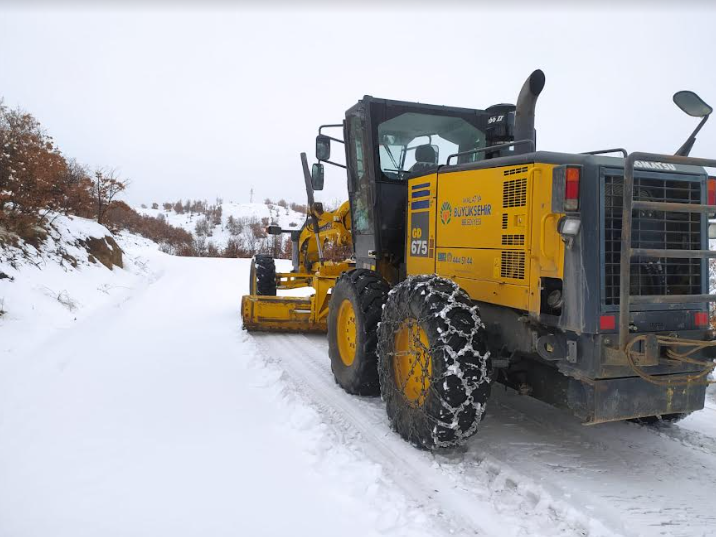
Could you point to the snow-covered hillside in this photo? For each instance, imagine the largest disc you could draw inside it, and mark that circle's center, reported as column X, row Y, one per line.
column 243, row 214
column 79, row 268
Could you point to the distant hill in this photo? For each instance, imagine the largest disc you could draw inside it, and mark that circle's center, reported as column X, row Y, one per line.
column 241, row 223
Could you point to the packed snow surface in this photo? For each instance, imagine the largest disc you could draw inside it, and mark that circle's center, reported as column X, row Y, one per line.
column 146, row 410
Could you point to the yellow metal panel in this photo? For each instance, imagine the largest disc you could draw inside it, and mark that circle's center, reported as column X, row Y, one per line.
column 486, row 208
column 546, row 245
column 497, row 276
column 283, row 314
column 420, row 242
column 496, row 235
column 504, row 294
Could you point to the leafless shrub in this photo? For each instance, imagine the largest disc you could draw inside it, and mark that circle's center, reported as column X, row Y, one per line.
column 66, row 300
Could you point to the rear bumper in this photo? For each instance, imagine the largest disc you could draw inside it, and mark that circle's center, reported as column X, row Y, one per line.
column 597, row 355
column 601, row 401
column 605, row 387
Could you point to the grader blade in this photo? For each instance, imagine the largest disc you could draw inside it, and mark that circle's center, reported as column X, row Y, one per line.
column 280, row 314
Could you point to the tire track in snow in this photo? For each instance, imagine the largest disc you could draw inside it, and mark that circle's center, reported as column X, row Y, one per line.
column 654, row 484
column 471, row 495
column 684, row 436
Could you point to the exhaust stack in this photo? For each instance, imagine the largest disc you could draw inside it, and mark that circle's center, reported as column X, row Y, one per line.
column 525, row 111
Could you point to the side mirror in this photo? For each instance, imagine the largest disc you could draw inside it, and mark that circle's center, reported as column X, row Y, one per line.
column 692, row 104
column 274, row 230
column 317, row 176
column 323, row 147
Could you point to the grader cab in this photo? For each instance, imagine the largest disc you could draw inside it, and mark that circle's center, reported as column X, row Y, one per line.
column 578, row 279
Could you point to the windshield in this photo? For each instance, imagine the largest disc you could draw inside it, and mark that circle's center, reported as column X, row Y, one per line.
column 415, row 144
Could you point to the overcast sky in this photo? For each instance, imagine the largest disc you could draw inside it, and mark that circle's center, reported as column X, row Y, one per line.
column 200, row 103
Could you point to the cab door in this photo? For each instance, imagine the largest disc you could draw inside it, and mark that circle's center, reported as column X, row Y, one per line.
column 361, row 183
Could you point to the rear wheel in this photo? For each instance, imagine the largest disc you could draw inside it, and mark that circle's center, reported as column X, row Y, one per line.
column 434, row 364
column 263, row 275
column 353, row 316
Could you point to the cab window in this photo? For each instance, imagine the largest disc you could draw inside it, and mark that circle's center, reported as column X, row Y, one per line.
column 415, row 144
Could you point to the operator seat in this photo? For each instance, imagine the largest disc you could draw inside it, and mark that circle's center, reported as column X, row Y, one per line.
column 425, row 160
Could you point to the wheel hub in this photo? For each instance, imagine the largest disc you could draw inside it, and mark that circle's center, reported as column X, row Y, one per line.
column 411, row 362
column 346, row 333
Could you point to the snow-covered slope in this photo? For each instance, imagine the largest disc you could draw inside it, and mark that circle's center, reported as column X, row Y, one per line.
column 244, row 213
column 52, row 288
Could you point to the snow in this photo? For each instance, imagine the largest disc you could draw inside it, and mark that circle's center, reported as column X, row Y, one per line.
column 146, row 410
column 287, row 218
column 43, row 293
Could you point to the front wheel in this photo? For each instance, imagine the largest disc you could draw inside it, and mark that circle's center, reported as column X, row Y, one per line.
column 434, row 365
column 262, row 275
column 353, row 316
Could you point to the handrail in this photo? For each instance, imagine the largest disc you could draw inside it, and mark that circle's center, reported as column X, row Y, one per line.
column 491, row 148
column 602, row 151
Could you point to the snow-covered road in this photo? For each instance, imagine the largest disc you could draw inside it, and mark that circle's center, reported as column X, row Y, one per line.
column 158, row 415
column 533, row 468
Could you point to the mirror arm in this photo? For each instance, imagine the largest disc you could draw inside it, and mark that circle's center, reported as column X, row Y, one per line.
column 685, row 149
column 311, row 213
column 335, row 164
column 331, row 126
column 333, row 139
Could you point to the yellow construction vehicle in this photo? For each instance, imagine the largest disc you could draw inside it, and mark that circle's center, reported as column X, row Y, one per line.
column 315, row 265
column 578, row 279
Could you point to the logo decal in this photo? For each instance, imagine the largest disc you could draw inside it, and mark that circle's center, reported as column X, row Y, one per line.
column 445, row 212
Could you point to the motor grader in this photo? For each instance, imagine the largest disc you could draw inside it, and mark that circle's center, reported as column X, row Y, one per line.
column 578, row 279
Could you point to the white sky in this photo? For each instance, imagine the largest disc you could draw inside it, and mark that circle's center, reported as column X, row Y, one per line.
column 192, row 103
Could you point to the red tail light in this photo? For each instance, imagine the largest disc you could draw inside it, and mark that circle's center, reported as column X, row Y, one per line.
column 571, row 189
column 607, row 322
column 701, row 318
column 711, row 187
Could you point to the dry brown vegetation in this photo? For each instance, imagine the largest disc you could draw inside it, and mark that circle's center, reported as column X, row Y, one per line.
column 38, row 181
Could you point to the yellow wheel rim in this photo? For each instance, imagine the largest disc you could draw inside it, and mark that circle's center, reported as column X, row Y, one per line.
column 411, row 362
column 346, row 332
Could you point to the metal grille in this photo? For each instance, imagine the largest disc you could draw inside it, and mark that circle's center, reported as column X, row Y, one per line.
column 512, row 265
column 513, row 240
column 653, row 229
column 514, row 193
column 504, row 220
column 515, row 171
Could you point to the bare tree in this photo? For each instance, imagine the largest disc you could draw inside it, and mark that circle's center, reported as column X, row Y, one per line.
column 107, row 185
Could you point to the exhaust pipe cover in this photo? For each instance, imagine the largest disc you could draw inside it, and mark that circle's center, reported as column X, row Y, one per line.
column 525, row 112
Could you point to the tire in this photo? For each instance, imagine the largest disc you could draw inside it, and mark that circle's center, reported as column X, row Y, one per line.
column 664, row 419
column 263, row 275
column 353, row 316
column 434, row 364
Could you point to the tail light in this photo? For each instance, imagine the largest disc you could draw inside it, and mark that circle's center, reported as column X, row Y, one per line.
column 571, row 189
column 607, row 322
column 701, row 318
column 711, row 187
